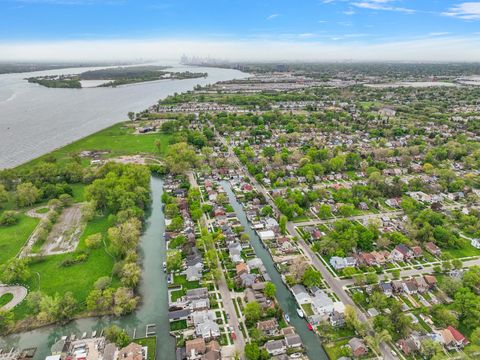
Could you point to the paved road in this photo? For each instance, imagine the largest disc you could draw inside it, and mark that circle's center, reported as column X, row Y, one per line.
column 353, row 218
column 226, row 296
column 19, row 293
column 335, row 284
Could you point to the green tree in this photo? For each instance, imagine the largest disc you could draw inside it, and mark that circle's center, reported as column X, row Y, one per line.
column 15, row 270
column 117, row 335
column 270, row 290
column 283, row 224
column 94, row 241
column 253, row 312
column 6, row 320
column 131, row 273
column 311, row 277
column 27, row 194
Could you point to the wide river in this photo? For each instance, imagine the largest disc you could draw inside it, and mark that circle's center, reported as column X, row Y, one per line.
column 35, row 120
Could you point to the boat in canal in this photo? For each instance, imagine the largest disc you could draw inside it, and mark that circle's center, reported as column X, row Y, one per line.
column 300, row 312
column 310, row 327
column 287, row 318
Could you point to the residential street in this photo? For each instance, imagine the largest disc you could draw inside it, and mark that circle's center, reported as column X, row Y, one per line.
column 226, row 297
column 334, row 283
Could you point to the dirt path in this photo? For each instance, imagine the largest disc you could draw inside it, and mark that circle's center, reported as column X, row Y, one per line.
column 65, row 233
column 63, row 237
column 19, row 293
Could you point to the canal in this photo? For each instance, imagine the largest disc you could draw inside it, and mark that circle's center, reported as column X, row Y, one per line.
column 153, row 289
column 310, row 340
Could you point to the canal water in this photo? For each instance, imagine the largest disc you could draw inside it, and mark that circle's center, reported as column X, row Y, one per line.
column 310, row 340
column 153, row 288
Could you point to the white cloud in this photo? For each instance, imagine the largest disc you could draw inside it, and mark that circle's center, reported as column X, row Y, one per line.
column 272, row 16
column 465, row 11
column 385, row 5
column 425, row 49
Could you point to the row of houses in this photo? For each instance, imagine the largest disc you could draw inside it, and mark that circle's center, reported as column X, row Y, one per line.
column 401, row 252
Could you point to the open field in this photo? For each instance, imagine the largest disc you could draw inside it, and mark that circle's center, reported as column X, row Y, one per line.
column 118, row 140
column 78, row 278
column 12, row 238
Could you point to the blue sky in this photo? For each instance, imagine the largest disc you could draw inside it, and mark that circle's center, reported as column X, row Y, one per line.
column 356, row 24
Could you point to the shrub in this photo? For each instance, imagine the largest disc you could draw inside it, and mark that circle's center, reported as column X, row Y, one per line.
column 94, row 241
column 9, row 218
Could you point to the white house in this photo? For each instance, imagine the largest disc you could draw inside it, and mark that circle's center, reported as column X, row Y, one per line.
column 322, row 304
column 301, row 295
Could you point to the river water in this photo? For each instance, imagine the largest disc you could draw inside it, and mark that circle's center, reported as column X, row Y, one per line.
column 35, row 120
column 287, row 302
column 153, row 289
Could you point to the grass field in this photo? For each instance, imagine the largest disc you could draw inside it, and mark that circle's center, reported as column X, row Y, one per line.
column 12, row 238
column 49, row 277
column 466, row 251
column 151, row 344
column 5, row 299
column 334, row 349
column 117, row 139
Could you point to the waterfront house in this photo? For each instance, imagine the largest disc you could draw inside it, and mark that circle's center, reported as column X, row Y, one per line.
column 293, row 341
column 321, row 303
column 132, row 351
column 275, row 347
column 301, row 294
column 195, row 348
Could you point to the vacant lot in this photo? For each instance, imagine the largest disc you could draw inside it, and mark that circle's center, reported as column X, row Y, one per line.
column 51, row 277
column 12, row 238
column 65, row 233
column 117, row 140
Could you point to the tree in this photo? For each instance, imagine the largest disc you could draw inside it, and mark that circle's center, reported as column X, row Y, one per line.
column 283, row 224
column 457, row 264
column 102, row 283
column 94, row 241
column 131, row 115
column 125, row 236
column 6, row 320
column 3, row 195
column 298, row 268
column 180, row 158
column 254, row 352
column 124, row 301
column 371, row 278
column 311, row 277
column 117, row 335
column 174, row 261
column 443, row 317
column 9, row 218
column 324, row 212
column 27, row 194
column 253, row 312
column 15, row 270
column 270, row 290
column 131, row 273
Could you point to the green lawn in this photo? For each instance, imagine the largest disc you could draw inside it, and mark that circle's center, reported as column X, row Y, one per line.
column 307, row 309
column 334, row 349
column 12, row 238
column 466, row 251
column 117, row 139
column 49, row 277
column 151, row 344
column 5, row 299
column 178, row 325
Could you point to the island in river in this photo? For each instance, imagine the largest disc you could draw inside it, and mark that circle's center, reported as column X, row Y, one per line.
column 113, row 77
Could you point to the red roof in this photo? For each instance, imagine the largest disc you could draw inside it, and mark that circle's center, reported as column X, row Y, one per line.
column 457, row 335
